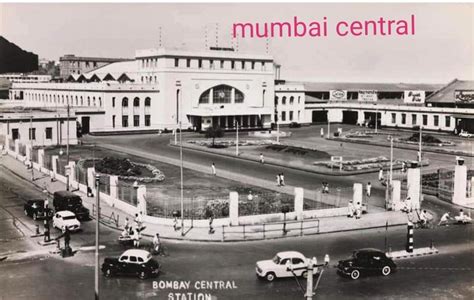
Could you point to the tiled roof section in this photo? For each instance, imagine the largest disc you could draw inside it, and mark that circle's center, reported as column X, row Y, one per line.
column 380, row 87
column 128, row 67
column 446, row 94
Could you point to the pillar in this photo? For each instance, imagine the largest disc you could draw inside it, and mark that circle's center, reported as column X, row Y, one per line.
column 7, row 143
column 41, row 158
column 54, row 163
column 113, row 182
column 141, row 200
column 72, row 173
column 91, row 179
column 413, row 186
column 360, row 117
column 299, row 196
column 233, row 208
column 357, row 194
column 17, row 146
column 396, row 195
column 460, row 183
column 29, row 158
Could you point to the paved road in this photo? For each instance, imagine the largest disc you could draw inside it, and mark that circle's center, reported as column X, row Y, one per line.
column 72, row 278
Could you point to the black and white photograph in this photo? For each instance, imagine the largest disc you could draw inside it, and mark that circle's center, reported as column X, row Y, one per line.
column 236, row 150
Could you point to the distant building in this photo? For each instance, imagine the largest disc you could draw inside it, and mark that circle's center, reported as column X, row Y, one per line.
column 75, row 65
column 13, row 59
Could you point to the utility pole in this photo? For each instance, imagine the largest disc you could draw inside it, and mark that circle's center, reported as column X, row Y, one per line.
column 97, row 219
column 67, row 149
column 237, row 138
column 181, row 170
column 420, row 161
column 31, row 149
column 309, row 268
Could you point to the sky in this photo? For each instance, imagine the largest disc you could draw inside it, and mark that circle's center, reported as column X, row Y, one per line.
column 441, row 49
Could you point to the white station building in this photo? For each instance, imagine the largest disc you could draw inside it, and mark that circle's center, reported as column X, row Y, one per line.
column 162, row 88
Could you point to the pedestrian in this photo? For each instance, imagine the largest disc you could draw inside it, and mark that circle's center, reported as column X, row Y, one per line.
column 322, row 132
column 46, row 204
column 278, row 180
column 156, row 243
column 350, row 209
column 67, row 238
column 127, row 223
column 213, row 169
column 326, row 188
column 358, row 209
column 136, row 238
column 250, row 196
column 404, row 166
column 369, row 189
column 262, row 160
column 408, row 205
column 282, row 179
column 175, row 223
column 381, row 174
column 444, row 219
column 138, row 222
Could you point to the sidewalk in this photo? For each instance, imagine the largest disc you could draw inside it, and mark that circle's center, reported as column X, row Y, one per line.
column 224, row 233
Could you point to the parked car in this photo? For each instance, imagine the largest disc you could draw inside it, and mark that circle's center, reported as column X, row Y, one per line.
column 465, row 134
column 66, row 200
column 277, row 267
column 66, row 218
column 295, row 125
column 132, row 262
column 366, row 262
column 35, row 209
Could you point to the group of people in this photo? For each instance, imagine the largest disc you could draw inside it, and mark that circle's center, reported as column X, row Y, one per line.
column 280, row 179
column 133, row 231
column 461, row 218
column 354, row 210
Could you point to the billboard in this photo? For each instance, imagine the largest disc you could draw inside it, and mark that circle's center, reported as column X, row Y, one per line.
column 466, row 96
column 367, row 95
column 414, row 97
column 337, row 95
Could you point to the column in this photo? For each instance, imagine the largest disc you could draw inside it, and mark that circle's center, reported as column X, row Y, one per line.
column 17, row 146
column 54, row 163
column 7, row 143
column 91, row 179
column 357, row 194
column 113, row 182
column 72, row 173
column 413, row 185
column 460, row 183
column 299, row 196
column 233, row 208
column 29, row 158
column 396, row 193
column 141, row 201
column 41, row 158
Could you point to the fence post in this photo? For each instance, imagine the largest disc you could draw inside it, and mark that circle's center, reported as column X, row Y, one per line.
column 244, row 230
column 223, row 234
column 301, row 228
column 263, row 230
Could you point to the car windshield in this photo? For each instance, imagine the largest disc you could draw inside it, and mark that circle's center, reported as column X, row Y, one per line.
column 69, row 218
column 276, row 259
column 354, row 255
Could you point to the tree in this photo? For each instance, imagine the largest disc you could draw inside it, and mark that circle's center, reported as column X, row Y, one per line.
column 214, row 132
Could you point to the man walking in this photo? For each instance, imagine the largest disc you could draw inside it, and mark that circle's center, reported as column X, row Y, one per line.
column 282, row 179
column 380, row 174
column 262, row 160
column 213, row 169
column 278, row 180
column 369, row 189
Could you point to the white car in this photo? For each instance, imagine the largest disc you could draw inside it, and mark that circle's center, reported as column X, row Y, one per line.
column 465, row 134
column 66, row 218
column 278, row 266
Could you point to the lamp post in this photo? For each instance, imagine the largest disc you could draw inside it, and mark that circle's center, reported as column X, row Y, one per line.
column 31, row 148
column 97, row 219
column 179, row 114
column 67, row 147
column 310, row 267
column 376, row 118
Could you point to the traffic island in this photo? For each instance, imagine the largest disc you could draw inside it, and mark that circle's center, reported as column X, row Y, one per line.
column 416, row 252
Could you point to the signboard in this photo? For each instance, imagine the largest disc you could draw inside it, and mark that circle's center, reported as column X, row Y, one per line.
column 466, row 96
column 414, row 97
column 336, row 158
column 367, row 95
column 337, row 95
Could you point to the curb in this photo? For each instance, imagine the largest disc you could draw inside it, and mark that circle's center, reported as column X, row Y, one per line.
column 417, row 253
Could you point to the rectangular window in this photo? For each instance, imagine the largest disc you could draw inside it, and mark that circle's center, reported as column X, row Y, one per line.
column 32, row 133
column 291, row 115
column 200, row 63
column 243, row 65
column 15, row 134
column 404, row 118
column 136, row 120
column 211, row 64
column 448, row 121
column 113, row 121
column 283, row 115
column 413, row 119
column 188, row 63
column 436, row 120
column 299, row 115
column 147, row 120
column 222, row 64
column 176, row 62
column 49, row 133
column 124, row 121
column 425, row 120
column 232, row 65
column 113, row 101
column 253, row 65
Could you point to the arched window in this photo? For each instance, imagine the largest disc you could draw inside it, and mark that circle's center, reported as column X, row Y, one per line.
column 82, row 101
column 238, row 97
column 77, row 101
column 88, row 101
column 292, row 99
column 204, row 99
column 136, row 102
column 276, row 100
column 62, row 99
column 93, row 101
column 147, row 101
column 100, row 102
column 283, row 100
column 221, row 94
column 125, row 102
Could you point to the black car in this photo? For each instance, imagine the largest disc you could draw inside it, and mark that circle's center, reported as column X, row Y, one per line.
column 65, row 200
column 366, row 262
column 132, row 262
column 36, row 210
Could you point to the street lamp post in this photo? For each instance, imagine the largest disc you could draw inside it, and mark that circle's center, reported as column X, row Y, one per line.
column 97, row 219
column 67, row 147
column 31, row 150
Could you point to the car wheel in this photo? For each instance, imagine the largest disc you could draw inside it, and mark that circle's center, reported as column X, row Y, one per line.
column 386, row 270
column 142, row 275
column 304, row 274
column 355, row 274
column 26, row 212
column 35, row 217
column 270, row 276
column 108, row 273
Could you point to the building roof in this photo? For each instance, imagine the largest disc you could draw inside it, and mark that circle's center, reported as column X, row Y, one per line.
column 116, row 69
column 71, row 57
column 217, row 54
column 356, row 86
column 447, row 93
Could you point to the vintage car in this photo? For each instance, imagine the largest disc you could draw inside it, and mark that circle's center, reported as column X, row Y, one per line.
column 35, row 209
column 66, row 200
column 366, row 262
column 465, row 134
column 132, row 262
column 65, row 218
column 280, row 264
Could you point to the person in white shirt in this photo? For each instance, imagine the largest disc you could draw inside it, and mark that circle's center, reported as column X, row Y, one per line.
column 213, row 169
column 444, row 219
column 369, row 189
column 350, row 209
column 262, row 160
